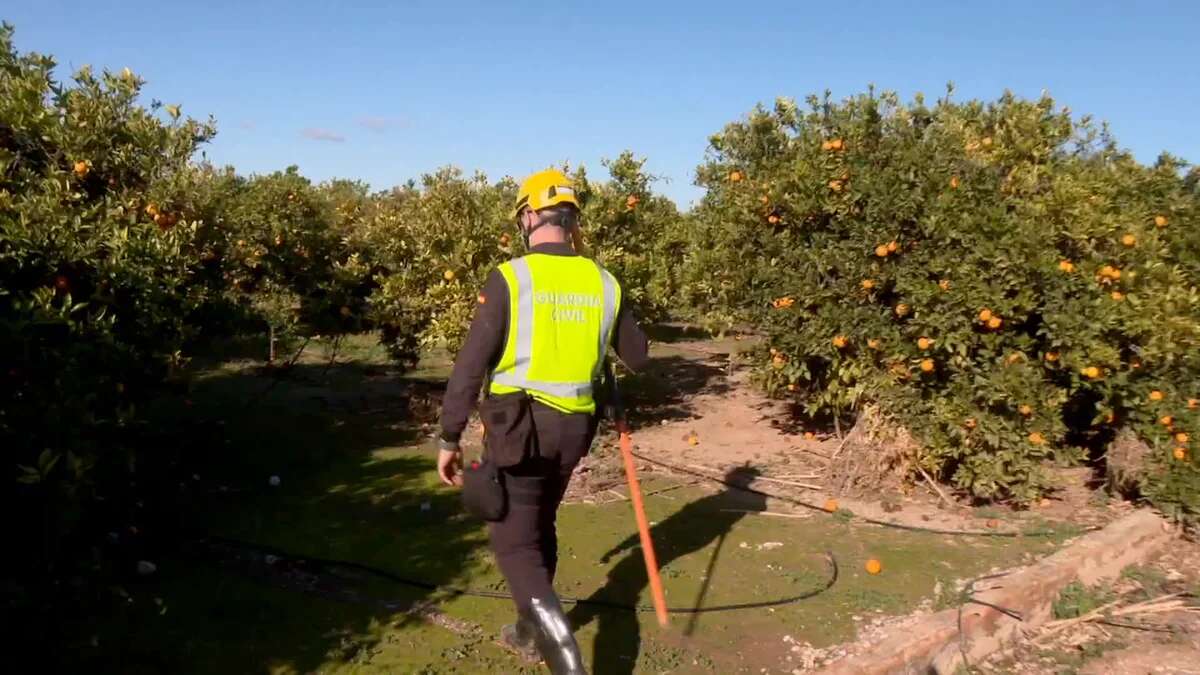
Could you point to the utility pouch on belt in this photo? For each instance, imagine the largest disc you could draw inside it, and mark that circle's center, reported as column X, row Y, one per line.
column 508, row 439
column 508, row 429
column 483, row 491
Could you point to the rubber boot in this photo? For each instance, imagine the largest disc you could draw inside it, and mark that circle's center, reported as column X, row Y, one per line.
column 554, row 638
column 520, row 637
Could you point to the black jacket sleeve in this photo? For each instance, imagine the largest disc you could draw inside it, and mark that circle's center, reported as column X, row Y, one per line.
column 630, row 341
column 479, row 355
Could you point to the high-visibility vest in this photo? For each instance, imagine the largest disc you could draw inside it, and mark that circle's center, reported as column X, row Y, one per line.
column 561, row 315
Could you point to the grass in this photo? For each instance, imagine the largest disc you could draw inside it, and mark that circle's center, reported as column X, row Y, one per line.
column 357, row 484
column 1075, row 600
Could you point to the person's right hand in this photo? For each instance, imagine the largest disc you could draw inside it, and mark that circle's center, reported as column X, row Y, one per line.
column 449, row 466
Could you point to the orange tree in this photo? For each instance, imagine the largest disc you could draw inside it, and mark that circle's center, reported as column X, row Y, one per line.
column 1000, row 278
column 97, row 284
column 284, row 260
column 635, row 234
column 431, row 245
column 429, row 248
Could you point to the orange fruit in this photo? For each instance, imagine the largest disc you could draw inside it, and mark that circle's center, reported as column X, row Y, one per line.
column 1051, row 356
column 1026, row 410
column 1160, row 221
column 773, row 219
column 893, row 246
column 481, row 299
column 927, row 365
column 831, row 504
column 995, row 322
column 986, row 141
column 81, row 168
column 1066, row 266
column 1193, row 403
column 448, row 275
column 1180, row 453
column 902, row 309
column 1015, row 357
column 970, row 423
column 1129, row 240
column 1156, row 395
column 835, row 185
column 1117, row 295
column 873, row 566
column 1166, row 420
column 1091, row 372
column 631, row 201
column 1181, row 437
column 874, row 343
column 791, row 387
column 152, row 209
column 735, row 176
column 985, row 315
column 765, row 199
column 839, row 341
column 1037, row 439
column 954, row 182
column 836, row 144
column 1135, row 364
column 924, row 343
column 693, row 440
column 881, row 251
column 944, row 284
column 868, row 284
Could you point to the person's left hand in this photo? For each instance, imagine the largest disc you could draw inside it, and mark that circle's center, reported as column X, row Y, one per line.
column 449, row 466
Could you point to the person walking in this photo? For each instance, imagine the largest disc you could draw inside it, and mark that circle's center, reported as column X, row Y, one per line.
column 540, row 335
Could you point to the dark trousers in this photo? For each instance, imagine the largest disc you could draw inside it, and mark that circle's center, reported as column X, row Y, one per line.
column 525, row 542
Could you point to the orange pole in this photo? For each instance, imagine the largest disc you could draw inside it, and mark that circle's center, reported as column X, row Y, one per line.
column 639, row 511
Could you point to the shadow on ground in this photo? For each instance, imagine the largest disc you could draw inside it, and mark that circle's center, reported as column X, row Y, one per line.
column 665, row 389
column 354, row 482
column 688, row 530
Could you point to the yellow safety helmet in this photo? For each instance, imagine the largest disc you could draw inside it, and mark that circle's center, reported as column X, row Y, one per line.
column 545, row 189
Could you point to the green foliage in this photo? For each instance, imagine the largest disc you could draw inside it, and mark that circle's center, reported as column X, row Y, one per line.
column 95, row 291
column 850, row 231
column 1075, row 600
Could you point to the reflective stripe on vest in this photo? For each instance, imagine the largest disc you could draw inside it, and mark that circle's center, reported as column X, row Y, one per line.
column 514, row 369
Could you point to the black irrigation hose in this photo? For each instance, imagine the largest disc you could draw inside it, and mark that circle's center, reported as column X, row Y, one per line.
column 500, row 595
column 873, row 521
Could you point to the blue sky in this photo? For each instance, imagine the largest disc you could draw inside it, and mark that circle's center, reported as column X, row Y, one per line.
column 386, row 91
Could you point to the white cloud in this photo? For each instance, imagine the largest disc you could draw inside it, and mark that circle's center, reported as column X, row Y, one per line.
column 315, row 134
